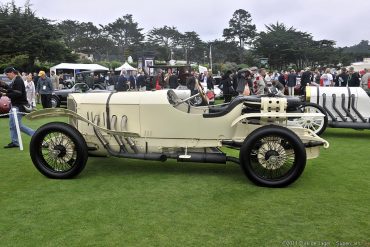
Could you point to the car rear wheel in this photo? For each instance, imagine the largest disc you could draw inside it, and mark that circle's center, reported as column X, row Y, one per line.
column 58, row 150
column 272, row 156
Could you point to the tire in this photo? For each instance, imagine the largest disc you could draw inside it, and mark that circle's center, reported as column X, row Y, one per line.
column 55, row 102
column 272, row 156
column 58, row 150
column 69, row 85
column 317, row 125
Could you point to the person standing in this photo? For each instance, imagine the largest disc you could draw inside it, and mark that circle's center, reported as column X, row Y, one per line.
column 141, row 81
column 16, row 92
column 44, row 89
column 173, row 80
column 292, row 81
column 227, row 86
column 258, row 81
column 281, row 78
column 132, row 79
column 158, row 80
column 190, row 83
column 30, row 91
column 327, row 78
column 54, row 80
column 122, row 84
column 306, row 79
column 35, row 80
column 353, row 78
column 242, row 82
column 342, row 78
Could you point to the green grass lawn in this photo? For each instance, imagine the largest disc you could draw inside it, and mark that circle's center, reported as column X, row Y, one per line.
column 120, row 202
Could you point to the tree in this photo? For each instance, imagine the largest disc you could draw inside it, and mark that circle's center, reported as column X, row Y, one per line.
column 166, row 37
column 24, row 34
column 71, row 33
column 240, row 28
column 283, row 46
column 125, row 33
column 223, row 51
column 192, row 46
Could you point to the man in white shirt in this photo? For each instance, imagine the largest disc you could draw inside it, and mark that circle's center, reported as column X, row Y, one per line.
column 327, row 78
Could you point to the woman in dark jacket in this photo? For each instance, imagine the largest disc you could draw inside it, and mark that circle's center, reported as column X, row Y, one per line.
column 227, row 87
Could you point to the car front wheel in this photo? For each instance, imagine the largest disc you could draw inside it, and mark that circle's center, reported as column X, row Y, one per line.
column 58, row 150
column 55, row 102
column 272, row 156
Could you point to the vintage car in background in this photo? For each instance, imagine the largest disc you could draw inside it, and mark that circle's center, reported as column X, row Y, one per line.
column 158, row 125
column 95, row 79
column 345, row 107
column 59, row 97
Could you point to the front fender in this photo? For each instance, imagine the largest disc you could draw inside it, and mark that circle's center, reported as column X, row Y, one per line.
column 61, row 112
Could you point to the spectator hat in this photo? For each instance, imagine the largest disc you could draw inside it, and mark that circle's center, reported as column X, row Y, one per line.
column 41, row 73
column 9, row 70
column 253, row 68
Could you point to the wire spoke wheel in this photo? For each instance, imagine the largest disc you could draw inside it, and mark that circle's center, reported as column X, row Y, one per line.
column 58, row 150
column 273, row 156
column 316, row 124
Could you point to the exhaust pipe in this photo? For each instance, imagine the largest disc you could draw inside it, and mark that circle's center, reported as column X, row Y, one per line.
column 204, row 158
column 144, row 156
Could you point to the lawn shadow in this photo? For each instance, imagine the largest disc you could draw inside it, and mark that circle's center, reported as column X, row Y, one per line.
column 123, row 167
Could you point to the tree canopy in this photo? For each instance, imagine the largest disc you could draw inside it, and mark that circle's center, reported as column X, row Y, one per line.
column 240, row 28
column 26, row 39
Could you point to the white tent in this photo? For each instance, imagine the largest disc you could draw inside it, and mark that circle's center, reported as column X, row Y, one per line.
column 76, row 67
column 202, row 69
column 79, row 66
column 125, row 66
column 360, row 66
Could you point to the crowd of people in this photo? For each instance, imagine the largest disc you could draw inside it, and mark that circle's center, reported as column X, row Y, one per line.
column 247, row 81
column 254, row 81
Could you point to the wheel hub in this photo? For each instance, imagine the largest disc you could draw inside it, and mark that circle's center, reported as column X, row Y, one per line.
column 272, row 156
column 59, row 151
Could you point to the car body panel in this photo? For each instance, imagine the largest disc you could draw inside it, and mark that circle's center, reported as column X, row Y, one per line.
column 347, row 107
column 159, row 125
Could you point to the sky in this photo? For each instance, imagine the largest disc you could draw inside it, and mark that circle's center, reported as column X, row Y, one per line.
column 346, row 22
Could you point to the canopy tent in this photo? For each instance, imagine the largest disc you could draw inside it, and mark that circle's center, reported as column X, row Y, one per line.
column 125, row 66
column 202, row 69
column 358, row 66
column 77, row 67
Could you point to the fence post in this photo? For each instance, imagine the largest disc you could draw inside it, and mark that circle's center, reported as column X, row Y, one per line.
column 14, row 110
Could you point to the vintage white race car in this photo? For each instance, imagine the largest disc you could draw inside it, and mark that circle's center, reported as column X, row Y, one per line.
column 158, row 125
column 344, row 107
